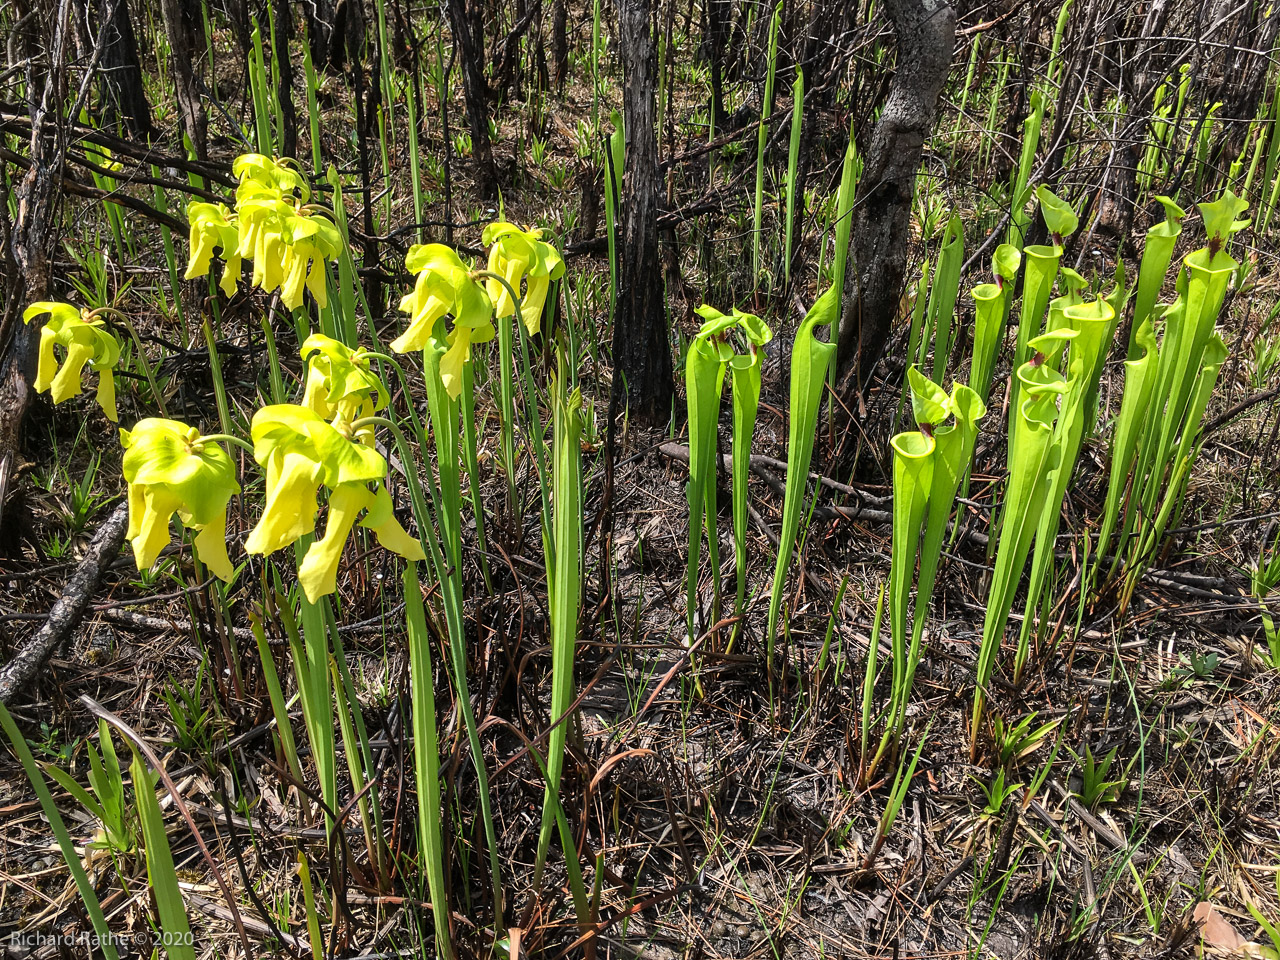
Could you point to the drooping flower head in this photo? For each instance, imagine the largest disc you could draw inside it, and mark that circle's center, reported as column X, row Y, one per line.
column 517, row 255
column 301, row 453
column 171, row 468
column 287, row 241
column 213, row 225
column 445, row 286
column 86, row 341
column 340, row 385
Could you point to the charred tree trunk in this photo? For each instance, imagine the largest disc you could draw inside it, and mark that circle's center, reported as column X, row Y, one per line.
column 559, row 44
column 121, row 74
column 476, row 92
column 184, row 54
column 32, row 237
column 284, row 70
column 715, row 44
column 925, row 31
column 641, row 343
column 321, row 16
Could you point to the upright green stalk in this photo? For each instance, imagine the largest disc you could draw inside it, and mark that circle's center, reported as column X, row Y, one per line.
column 1031, row 460
column 566, row 587
column 704, row 380
column 809, row 359
column 762, row 139
column 942, row 298
column 426, row 758
column 793, row 156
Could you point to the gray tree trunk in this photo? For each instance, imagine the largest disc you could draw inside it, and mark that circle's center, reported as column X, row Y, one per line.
column 641, row 343
column 925, row 31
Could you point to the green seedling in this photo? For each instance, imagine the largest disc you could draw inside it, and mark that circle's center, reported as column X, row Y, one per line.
column 1095, row 788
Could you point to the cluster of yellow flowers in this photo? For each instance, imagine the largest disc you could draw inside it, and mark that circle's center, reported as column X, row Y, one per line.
column 287, row 240
column 171, row 468
column 326, row 440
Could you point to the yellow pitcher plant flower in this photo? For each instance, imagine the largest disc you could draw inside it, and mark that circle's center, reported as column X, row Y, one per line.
column 287, row 241
column 87, row 342
column 170, row 468
column 300, row 453
column 214, row 225
column 445, row 285
column 340, row 385
column 517, row 255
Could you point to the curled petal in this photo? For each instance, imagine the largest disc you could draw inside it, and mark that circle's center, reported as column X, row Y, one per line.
column 211, row 547
column 66, row 383
column 48, row 366
column 535, row 298
column 318, row 572
column 381, row 519
column 107, row 393
column 291, row 507
column 151, row 526
column 451, row 363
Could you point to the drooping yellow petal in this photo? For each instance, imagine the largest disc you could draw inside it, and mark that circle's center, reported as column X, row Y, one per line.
column 315, row 396
column 535, row 298
column 230, row 274
column 416, row 335
column 152, row 536
column 451, row 363
column 66, row 383
column 211, row 547
column 294, row 278
column 48, row 366
column 107, row 393
column 202, row 243
column 381, row 519
column 291, row 507
column 318, row 572
column 318, row 282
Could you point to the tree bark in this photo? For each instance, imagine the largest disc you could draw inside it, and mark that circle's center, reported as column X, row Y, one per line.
column 184, row 54
column 284, row 69
column 121, row 76
column 559, row 44
column 476, row 92
column 28, row 254
column 925, row 31
column 320, row 16
column 641, row 342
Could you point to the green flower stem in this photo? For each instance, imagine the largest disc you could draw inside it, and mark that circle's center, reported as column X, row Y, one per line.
column 1139, row 382
column 1042, row 269
column 942, row 298
column 533, row 422
column 1157, row 251
column 704, row 379
column 1088, row 325
column 988, row 307
column 913, row 464
column 227, row 438
column 446, row 558
column 566, row 587
column 426, row 756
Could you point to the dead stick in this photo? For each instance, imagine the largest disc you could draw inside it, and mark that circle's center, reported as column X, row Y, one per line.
column 66, row 612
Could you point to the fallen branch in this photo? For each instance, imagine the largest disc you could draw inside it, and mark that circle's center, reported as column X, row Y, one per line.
column 68, row 609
